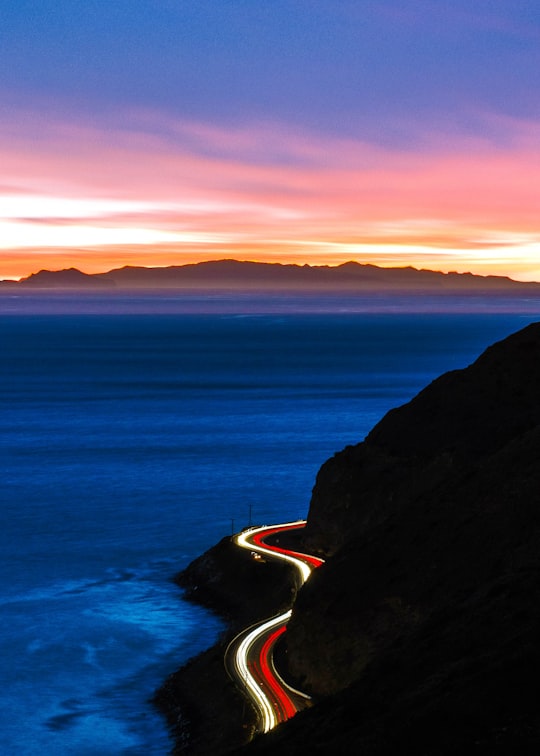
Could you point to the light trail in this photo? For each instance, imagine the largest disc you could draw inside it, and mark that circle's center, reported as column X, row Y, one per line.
column 304, row 563
column 264, row 705
column 251, row 652
column 268, row 670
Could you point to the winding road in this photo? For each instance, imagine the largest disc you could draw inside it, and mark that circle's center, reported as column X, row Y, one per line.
column 249, row 657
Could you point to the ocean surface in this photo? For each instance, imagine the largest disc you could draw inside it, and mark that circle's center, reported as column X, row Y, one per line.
column 134, row 437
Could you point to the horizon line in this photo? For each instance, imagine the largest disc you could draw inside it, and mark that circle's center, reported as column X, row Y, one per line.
column 269, row 263
column 275, row 263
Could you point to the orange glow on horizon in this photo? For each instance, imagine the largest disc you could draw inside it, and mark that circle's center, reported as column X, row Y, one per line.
column 98, row 200
column 103, row 260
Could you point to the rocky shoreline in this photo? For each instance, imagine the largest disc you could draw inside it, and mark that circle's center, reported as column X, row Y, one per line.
column 205, row 710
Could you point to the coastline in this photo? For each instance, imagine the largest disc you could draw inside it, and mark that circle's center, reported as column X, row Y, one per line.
column 429, row 598
column 206, row 712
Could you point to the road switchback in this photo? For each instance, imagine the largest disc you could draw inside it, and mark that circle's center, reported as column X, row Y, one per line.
column 249, row 658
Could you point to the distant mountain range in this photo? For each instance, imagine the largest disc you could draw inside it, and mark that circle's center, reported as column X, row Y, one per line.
column 244, row 275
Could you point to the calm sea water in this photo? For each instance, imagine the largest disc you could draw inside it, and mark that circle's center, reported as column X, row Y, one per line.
column 131, row 442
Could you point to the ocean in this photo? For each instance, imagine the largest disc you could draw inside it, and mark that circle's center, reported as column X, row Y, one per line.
column 132, row 438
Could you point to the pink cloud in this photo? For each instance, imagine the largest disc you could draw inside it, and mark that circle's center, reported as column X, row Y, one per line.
column 266, row 185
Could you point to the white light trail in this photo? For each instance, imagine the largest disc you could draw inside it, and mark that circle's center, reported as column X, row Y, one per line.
column 241, row 539
column 269, row 719
column 262, row 702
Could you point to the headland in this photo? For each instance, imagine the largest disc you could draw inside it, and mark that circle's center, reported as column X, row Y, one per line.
column 420, row 633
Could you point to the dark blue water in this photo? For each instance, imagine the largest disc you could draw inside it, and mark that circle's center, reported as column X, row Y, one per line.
column 129, row 443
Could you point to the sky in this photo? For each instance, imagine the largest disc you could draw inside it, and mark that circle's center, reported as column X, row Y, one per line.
column 164, row 132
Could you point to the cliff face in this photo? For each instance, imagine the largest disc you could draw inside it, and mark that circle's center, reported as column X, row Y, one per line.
column 450, row 428
column 422, row 630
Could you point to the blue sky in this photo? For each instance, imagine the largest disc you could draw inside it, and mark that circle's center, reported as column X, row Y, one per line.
column 336, row 66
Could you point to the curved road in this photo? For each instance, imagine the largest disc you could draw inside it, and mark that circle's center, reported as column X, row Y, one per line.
column 249, row 657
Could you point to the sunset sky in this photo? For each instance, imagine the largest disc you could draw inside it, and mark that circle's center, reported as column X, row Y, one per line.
column 160, row 132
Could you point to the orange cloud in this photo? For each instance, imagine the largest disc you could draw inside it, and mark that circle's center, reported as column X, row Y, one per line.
column 168, row 193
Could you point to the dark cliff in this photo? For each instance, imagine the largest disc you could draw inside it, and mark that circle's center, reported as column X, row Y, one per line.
column 421, row 634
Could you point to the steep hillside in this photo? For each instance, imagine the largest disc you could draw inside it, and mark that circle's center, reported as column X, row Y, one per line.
column 421, row 633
